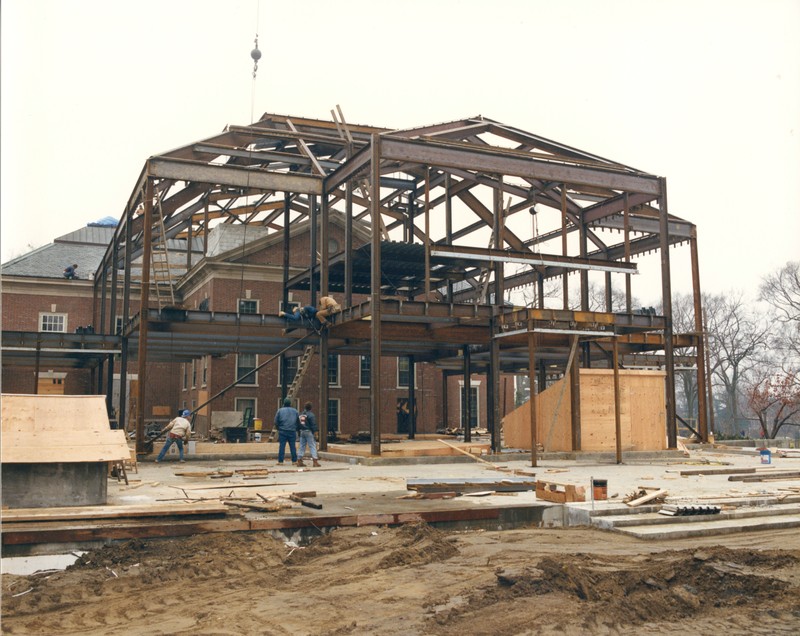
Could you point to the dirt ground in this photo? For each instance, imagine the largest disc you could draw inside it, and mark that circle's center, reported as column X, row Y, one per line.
column 418, row 580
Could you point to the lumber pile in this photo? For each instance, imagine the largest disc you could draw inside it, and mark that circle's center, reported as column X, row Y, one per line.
column 476, row 484
column 559, row 493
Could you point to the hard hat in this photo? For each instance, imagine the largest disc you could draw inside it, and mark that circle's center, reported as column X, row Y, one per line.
column 186, row 413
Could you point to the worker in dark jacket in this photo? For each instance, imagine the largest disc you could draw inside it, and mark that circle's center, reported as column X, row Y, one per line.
column 308, row 426
column 287, row 421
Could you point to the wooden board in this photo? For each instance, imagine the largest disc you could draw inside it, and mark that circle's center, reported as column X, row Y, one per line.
column 111, row 512
column 39, row 429
column 410, row 449
column 474, row 484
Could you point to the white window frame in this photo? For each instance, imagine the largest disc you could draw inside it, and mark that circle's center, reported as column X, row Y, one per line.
column 338, row 382
column 406, row 386
column 185, row 366
column 239, row 302
column 361, row 370
column 204, row 375
column 194, row 373
column 474, row 384
column 338, row 401
column 43, row 315
column 255, row 375
column 296, row 361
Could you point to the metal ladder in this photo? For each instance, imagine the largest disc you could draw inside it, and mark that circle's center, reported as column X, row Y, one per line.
column 162, row 273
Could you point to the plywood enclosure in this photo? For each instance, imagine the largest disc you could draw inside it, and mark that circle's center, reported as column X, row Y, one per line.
column 642, row 414
column 39, row 429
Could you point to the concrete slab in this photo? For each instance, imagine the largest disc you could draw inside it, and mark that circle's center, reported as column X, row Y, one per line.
column 707, row 528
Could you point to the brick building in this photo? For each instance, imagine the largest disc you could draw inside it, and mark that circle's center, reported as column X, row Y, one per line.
column 241, row 271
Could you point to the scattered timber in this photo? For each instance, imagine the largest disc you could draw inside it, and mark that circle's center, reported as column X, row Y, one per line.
column 717, row 471
column 508, row 484
column 305, row 502
column 778, row 475
column 658, row 494
column 463, row 452
column 559, row 493
column 106, row 512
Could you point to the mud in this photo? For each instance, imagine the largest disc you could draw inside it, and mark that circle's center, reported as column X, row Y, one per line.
column 418, row 580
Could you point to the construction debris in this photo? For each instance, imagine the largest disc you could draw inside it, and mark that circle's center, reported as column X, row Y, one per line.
column 680, row 510
column 559, row 493
column 507, row 484
column 642, row 497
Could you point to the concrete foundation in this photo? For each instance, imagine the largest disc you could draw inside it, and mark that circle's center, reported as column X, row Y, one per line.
column 54, row 484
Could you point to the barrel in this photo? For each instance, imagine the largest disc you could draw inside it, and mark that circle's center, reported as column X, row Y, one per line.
column 257, row 423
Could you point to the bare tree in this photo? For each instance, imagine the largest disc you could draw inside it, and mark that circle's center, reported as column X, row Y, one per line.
column 683, row 322
column 737, row 340
column 774, row 399
column 781, row 290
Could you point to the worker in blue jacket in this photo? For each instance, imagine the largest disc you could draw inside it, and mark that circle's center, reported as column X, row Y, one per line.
column 287, row 421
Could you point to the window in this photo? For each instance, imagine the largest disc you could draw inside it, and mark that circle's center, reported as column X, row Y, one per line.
column 205, row 370
column 53, row 322
column 194, row 373
column 119, row 325
column 333, row 414
column 247, row 306
column 473, row 399
column 291, row 370
column 403, row 373
column 364, row 375
column 247, row 407
column 333, row 370
column 185, row 376
column 288, row 307
column 246, row 362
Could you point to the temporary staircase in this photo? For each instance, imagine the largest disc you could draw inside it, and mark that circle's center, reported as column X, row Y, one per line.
column 293, row 389
column 162, row 274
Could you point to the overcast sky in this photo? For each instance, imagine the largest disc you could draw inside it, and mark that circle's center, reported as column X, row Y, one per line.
column 703, row 92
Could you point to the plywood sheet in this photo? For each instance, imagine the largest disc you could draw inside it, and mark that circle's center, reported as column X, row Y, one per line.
column 552, row 421
column 59, row 428
column 642, row 414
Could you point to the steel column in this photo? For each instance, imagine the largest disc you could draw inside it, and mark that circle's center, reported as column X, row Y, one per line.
column 144, row 306
column 375, row 296
column 627, row 230
column 575, row 400
column 666, row 294
column 126, row 312
column 324, row 391
column 617, row 411
column 412, row 398
column 493, row 389
column 532, row 401
column 467, row 409
column 348, row 243
column 312, row 218
column 702, row 404
column 564, row 251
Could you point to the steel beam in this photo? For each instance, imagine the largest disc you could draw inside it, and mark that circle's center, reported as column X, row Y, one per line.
column 512, row 163
column 185, row 170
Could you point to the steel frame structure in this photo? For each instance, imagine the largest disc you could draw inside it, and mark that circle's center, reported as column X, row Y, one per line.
column 460, row 214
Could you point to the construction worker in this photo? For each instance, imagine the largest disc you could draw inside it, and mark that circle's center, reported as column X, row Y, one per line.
column 180, row 430
column 69, row 271
column 287, row 421
column 307, row 429
column 327, row 307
